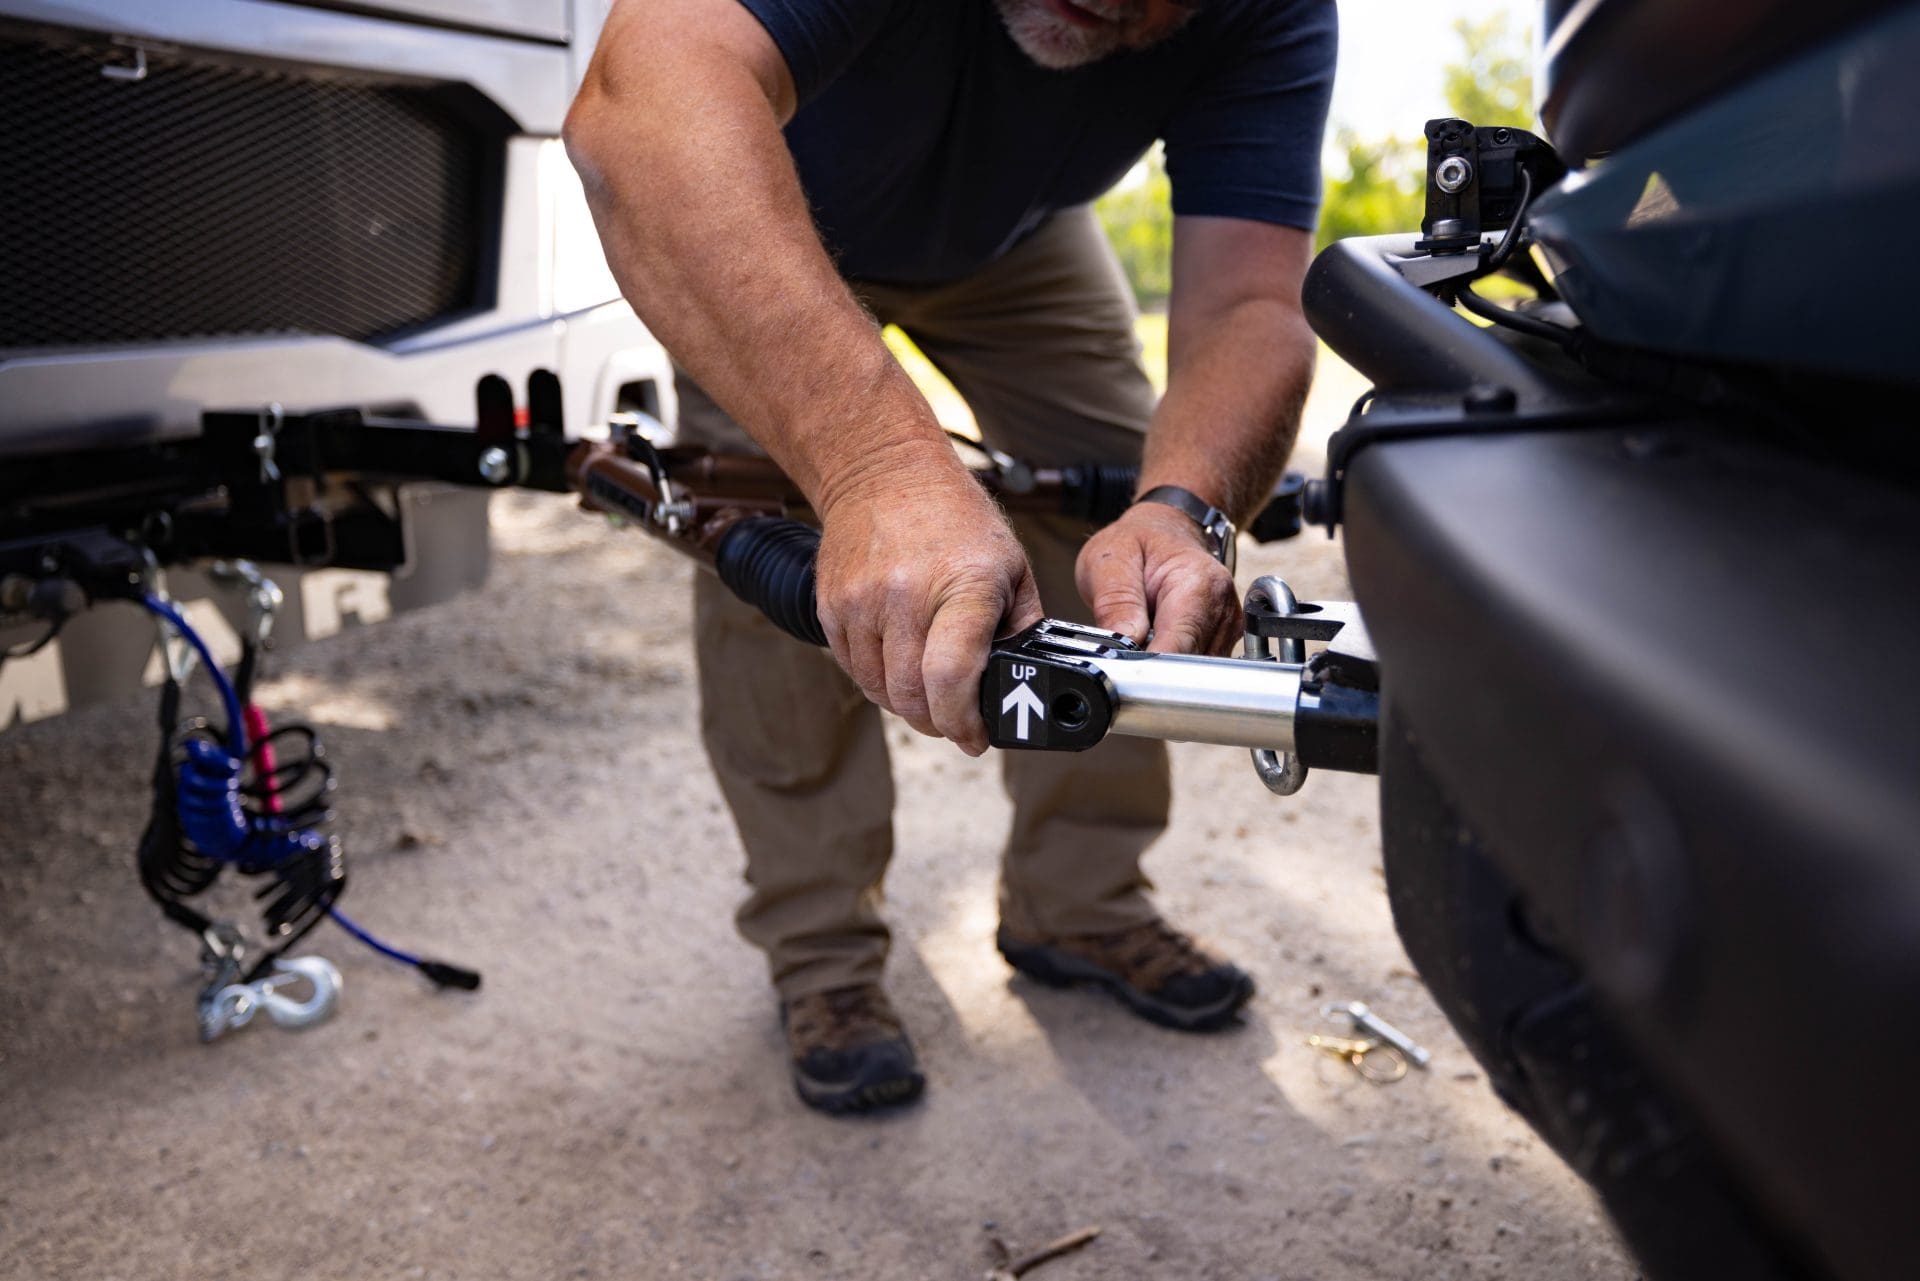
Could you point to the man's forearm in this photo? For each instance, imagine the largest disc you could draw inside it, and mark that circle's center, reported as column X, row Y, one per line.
column 1235, row 386
column 705, row 227
column 677, row 136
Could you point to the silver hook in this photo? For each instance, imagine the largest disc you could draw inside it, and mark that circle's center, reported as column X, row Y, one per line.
column 234, row 1005
column 264, row 596
column 1282, row 772
column 320, row 974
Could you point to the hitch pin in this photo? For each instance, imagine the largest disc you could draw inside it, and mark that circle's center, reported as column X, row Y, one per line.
column 1367, row 1023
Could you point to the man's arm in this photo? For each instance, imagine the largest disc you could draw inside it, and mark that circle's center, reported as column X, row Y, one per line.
column 1239, row 359
column 676, row 133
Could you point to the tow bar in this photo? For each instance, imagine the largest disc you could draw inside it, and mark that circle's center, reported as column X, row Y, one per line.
column 1057, row 686
column 1061, row 686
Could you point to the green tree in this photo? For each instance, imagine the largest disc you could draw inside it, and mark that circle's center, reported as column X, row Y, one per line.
column 1492, row 84
column 1138, row 217
column 1382, row 190
column 1377, row 188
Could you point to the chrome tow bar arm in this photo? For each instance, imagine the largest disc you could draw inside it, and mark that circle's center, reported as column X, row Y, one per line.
column 1061, row 686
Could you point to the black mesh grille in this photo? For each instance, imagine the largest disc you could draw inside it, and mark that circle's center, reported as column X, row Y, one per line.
column 214, row 199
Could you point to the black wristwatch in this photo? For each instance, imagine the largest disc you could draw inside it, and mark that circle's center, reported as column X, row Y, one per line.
column 1213, row 522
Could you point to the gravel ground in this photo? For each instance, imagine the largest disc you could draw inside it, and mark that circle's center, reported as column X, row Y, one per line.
column 523, row 790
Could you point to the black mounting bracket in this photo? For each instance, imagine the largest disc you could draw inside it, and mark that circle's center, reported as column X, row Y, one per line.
column 1042, row 691
column 1474, row 180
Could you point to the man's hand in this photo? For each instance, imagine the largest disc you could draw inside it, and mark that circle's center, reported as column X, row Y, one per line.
column 1151, row 571
column 1239, row 357
column 917, row 574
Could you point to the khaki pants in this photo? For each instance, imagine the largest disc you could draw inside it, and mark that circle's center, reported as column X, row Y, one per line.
column 1041, row 344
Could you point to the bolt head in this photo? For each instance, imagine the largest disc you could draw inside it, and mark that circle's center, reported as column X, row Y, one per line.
column 1453, row 173
column 494, row 468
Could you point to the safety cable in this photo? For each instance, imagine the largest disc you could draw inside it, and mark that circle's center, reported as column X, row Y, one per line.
column 214, row 814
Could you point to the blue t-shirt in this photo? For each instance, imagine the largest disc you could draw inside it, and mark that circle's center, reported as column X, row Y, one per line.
column 929, row 144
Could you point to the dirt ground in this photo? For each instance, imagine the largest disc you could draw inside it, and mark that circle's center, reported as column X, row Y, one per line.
column 522, row 789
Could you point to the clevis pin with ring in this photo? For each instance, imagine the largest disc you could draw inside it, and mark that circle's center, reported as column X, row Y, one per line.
column 1370, row 1057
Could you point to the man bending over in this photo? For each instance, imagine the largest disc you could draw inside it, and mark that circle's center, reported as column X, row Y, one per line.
column 770, row 179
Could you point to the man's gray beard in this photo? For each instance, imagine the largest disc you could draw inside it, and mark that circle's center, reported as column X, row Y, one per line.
column 1051, row 41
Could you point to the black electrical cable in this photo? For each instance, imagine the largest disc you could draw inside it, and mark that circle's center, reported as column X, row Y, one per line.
column 30, row 648
column 171, row 870
column 1509, row 242
column 1514, row 320
column 287, row 784
column 1494, row 261
column 54, row 600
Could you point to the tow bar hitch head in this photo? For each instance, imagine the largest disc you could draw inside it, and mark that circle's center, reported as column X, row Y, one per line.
column 1047, row 688
column 1061, row 686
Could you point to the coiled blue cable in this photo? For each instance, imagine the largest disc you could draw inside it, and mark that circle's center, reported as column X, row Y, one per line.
column 212, row 817
column 236, row 725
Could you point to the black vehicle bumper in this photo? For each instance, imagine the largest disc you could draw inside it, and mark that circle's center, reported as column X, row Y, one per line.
column 1667, row 676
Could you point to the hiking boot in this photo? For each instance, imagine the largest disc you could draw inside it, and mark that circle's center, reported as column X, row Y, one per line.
column 850, row 1051
column 1156, row 971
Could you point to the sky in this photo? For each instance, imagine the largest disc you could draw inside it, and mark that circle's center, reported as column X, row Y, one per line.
column 1391, row 55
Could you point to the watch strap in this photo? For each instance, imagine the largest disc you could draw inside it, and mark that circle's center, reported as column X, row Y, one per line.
column 1213, row 522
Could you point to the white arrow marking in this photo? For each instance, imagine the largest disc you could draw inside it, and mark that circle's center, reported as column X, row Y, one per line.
column 1023, row 702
